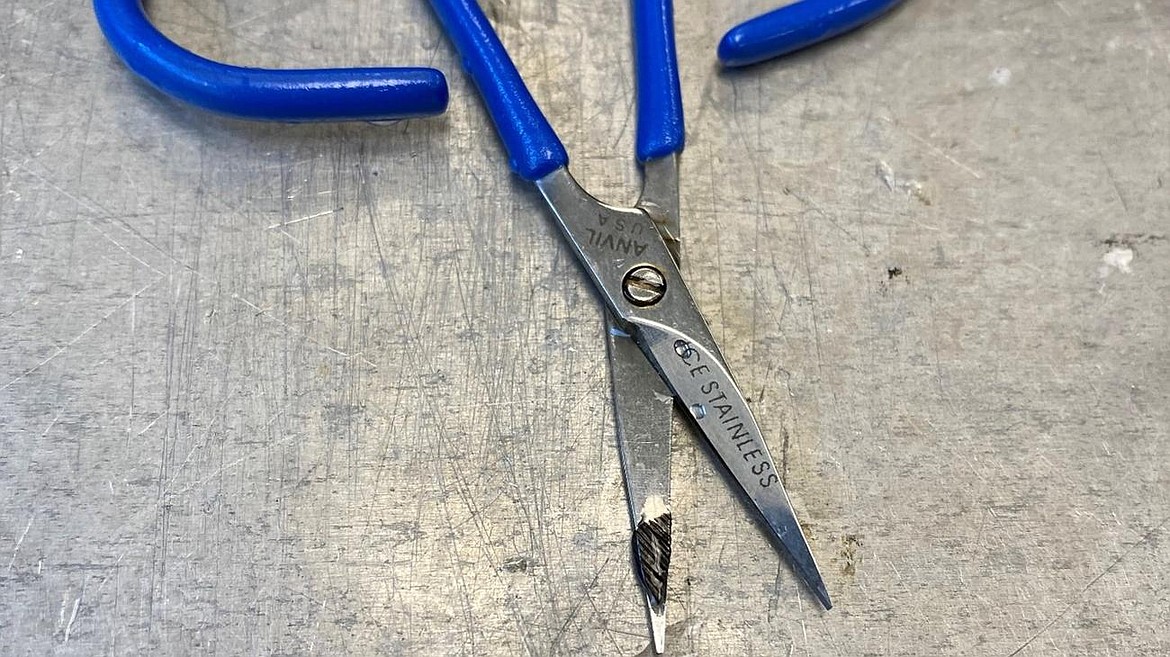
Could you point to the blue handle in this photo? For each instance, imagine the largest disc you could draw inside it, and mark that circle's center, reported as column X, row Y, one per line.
column 660, row 109
column 339, row 94
column 533, row 147
column 796, row 26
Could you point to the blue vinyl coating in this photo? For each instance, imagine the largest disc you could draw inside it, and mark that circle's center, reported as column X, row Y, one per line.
column 660, row 111
column 534, row 150
column 796, row 26
column 339, row 94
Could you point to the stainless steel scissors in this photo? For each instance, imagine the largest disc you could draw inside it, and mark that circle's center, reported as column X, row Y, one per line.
column 661, row 352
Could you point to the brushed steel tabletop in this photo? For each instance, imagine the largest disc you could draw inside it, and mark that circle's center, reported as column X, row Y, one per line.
column 341, row 390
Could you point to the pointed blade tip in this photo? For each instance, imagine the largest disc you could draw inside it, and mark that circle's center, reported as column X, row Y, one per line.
column 817, row 586
column 800, row 557
column 657, row 626
column 823, row 596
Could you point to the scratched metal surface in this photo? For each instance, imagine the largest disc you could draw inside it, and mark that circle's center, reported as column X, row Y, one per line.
column 340, row 390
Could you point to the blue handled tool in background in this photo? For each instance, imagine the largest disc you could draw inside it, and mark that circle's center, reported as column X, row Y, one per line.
column 292, row 95
column 795, row 27
column 659, row 346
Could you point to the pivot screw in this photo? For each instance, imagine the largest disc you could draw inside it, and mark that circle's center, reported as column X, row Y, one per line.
column 644, row 285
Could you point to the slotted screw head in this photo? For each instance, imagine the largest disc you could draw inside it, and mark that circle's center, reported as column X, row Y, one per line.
column 644, row 285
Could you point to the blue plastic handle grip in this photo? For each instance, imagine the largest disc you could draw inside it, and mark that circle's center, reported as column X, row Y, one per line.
column 660, row 110
column 338, row 94
column 534, row 150
column 796, row 26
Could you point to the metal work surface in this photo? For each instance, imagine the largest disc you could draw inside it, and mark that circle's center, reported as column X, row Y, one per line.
column 270, row 389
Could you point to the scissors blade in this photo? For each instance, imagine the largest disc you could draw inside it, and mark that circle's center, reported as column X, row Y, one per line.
column 644, row 408
column 691, row 364
column 617, row 246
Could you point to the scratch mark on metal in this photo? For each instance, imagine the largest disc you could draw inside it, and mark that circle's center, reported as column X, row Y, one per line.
column 19, row 541
column 72, row 617
column 1121, row 557
column 323, row 213
column 101, row 320
column 938, row 151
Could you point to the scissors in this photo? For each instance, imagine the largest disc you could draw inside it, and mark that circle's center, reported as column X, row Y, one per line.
column 661, row 352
